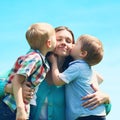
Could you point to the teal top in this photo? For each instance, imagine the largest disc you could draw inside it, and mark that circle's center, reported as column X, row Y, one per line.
column 56, row 101
column 3, row 83
column 2, row 86
column 54, row 94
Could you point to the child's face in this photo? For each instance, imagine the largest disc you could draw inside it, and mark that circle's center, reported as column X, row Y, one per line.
column 76, row 50
column 64, row 43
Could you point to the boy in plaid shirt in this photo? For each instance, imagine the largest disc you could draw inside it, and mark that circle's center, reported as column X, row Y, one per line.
column 31, row 67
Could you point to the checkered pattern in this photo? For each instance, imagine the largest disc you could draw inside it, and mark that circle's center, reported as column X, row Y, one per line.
column 34, row 66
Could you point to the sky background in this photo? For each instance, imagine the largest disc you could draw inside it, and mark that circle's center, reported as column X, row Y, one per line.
column 100, row 18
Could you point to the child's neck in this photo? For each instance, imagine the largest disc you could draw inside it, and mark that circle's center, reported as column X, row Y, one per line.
column 44, row 52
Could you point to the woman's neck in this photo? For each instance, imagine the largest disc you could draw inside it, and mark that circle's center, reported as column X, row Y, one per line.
column 60, row 62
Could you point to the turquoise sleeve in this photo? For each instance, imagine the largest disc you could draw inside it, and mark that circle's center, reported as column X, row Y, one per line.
column 108, row 108
column 2, row 87
column 3, row 82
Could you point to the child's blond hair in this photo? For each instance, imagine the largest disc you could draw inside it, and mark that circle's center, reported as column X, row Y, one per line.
column 38, row 33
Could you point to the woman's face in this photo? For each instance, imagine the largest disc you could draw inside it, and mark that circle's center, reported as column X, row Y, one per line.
column 64, row 42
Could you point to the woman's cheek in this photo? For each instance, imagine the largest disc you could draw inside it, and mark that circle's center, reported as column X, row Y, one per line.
column 71, row 45
column 61, row 52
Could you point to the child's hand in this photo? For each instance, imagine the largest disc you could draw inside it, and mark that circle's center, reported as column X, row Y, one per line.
column 52, row 58
column 21, row 114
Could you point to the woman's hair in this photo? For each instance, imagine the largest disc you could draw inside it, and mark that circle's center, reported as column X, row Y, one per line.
column 60, row 28
column 69, row 58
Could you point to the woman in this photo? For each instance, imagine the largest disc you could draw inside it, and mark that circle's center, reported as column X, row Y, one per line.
column 50, row 98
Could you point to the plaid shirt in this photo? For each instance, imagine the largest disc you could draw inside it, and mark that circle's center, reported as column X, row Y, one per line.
column 34, row 66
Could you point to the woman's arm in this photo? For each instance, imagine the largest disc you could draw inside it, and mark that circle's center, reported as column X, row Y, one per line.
column 96, row 99
column 27, row 91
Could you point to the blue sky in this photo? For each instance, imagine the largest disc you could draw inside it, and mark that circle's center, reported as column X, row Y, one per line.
column 99, row 18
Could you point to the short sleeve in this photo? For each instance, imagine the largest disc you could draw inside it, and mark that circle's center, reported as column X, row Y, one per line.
column 29, row 64
column 70, row 74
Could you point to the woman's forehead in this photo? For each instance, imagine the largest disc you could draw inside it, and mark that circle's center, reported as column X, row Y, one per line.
column 64, row 33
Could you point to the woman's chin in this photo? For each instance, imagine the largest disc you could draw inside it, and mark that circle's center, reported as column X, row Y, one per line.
column 61, row 53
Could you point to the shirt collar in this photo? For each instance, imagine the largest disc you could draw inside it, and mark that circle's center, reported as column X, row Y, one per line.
column 44, row 60
column 77, row 61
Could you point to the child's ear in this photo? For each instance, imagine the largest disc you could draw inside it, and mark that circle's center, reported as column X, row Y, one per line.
column 48, row 43
column 83, row 53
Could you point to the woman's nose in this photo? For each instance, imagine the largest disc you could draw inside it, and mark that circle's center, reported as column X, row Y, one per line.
column 64, row 42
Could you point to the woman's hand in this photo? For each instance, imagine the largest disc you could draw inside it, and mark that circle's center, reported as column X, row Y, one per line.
column 95, row 99
column 27, row 92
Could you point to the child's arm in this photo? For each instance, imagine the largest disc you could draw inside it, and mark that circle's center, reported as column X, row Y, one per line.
column 17, row 92
column 55, row 71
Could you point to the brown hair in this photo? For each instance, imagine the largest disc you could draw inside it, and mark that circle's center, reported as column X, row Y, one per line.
column 38, row 33
column 94, row 49
column 59, row 28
